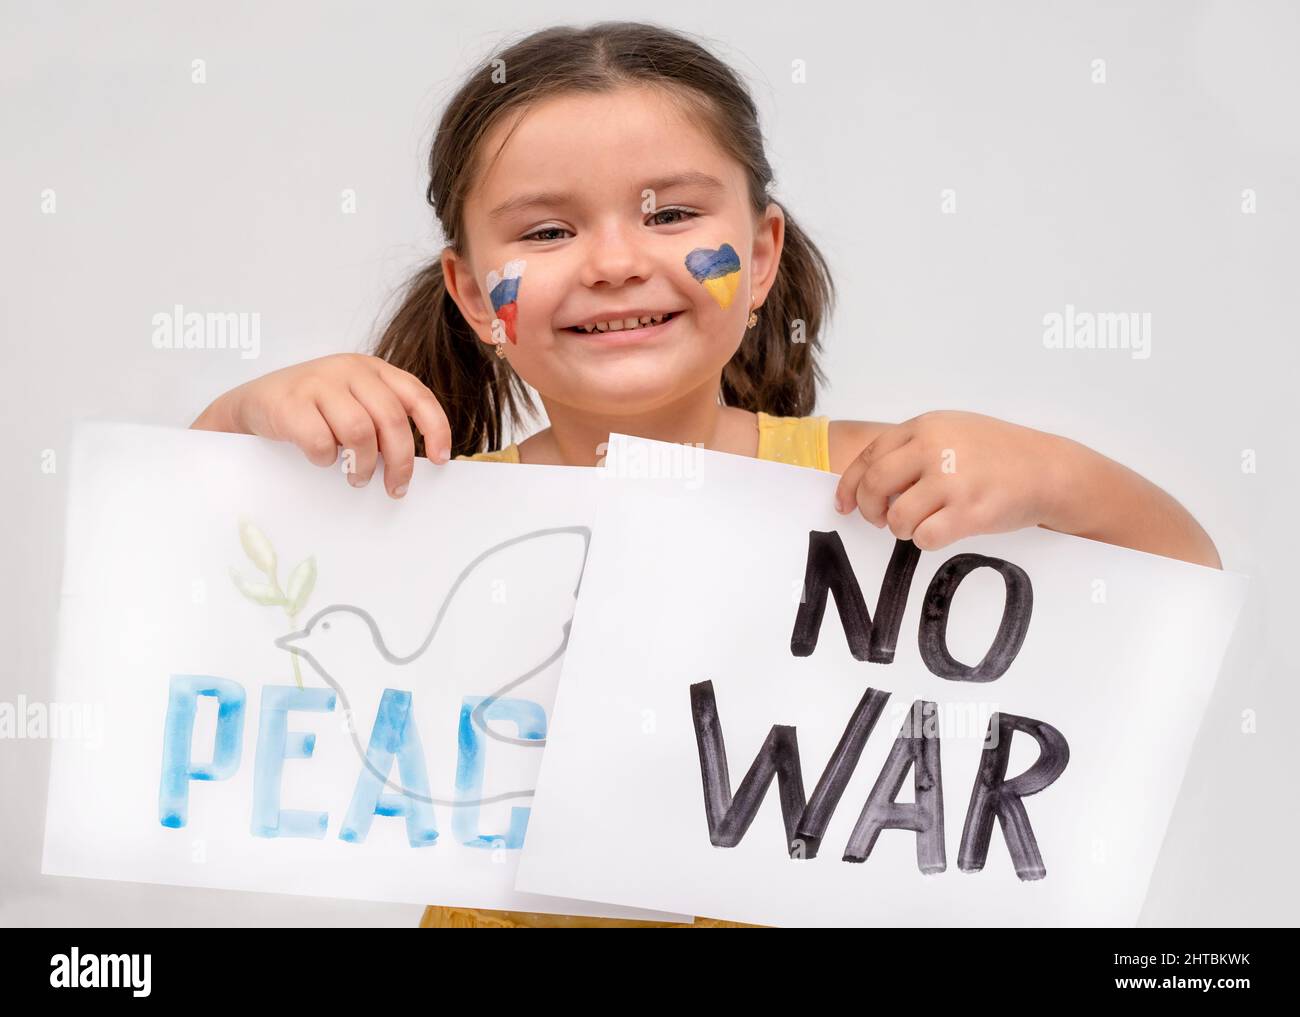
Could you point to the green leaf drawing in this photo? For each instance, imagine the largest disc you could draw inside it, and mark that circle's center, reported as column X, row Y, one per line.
column 301, row 581
column 268, row 593
column 258, row 548
column 255, row 589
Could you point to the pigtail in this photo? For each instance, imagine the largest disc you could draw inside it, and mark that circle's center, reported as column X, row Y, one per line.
column 776, row 368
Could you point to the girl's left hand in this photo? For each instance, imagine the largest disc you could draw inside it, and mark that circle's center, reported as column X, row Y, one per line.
column 956, row 474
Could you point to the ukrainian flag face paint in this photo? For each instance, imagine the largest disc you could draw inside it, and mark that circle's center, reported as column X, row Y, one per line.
column 718, row 270
column 503, row 291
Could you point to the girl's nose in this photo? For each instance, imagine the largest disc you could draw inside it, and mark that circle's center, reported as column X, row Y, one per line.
column 616, row 253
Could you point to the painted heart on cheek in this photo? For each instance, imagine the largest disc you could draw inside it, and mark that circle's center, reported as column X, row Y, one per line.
column 503, row 291
column 718, row 270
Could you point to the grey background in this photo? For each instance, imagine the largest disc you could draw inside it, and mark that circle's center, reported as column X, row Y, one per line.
column 1122, row 196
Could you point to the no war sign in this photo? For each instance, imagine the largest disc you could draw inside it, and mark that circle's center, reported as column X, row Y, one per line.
column 756, row 756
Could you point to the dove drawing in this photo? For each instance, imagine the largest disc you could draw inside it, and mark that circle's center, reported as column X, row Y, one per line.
column 525, row 588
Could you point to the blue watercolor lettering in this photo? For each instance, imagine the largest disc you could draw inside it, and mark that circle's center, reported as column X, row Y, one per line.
column 530, row 721
column 178, row 769
column 275, row 744
column 394, row 734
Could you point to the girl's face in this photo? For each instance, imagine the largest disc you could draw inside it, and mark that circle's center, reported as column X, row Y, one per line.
column 617, row 207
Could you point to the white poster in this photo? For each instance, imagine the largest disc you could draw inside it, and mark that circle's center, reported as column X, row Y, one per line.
column 287, row 684
column 773, row 713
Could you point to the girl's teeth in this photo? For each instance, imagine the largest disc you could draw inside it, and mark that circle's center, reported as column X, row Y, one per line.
column 625, row 323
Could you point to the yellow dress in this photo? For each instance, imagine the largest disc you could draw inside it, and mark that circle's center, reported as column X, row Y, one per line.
column 800, row 441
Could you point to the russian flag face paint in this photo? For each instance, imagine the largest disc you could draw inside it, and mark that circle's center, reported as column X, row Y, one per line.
column 503, row 291
column 718, row 270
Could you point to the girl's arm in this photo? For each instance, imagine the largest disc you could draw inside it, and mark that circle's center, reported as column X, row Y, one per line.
column 947, row 475
column 1104, row 500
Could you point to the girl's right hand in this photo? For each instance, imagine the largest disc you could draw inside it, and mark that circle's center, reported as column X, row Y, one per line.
column 351, row 400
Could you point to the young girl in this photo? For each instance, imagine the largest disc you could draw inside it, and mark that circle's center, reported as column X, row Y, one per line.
column 610, row 241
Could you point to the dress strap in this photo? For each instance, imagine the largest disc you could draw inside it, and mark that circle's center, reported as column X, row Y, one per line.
column 799, row 441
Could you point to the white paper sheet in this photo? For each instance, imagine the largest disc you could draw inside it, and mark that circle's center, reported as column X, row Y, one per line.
column 464, row 588
column 697, row 575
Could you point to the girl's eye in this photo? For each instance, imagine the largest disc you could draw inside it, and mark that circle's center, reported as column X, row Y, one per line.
column 536, row 234
column 547, row 233
column 686, row 213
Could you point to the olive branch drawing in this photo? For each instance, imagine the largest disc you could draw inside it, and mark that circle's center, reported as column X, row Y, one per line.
column 268, row 592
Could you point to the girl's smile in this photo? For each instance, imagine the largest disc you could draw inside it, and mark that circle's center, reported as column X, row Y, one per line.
column 616, row 330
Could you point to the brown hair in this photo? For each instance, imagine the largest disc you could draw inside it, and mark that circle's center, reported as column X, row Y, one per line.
column 428, row 337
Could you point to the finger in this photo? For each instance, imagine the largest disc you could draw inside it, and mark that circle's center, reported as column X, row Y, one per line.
column 307, row 429
column 892, row 474
column 887, row 441
column 396, row 444
column 423, row 407
column 914, row 506
column 353, row 430
column 938, row 530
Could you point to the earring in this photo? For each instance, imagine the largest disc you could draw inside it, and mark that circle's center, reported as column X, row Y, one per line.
column 501, row 349
column 753, row 319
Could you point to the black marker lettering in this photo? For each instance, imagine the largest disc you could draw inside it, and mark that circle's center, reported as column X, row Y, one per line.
column 828, row 568
column 994, row 795
column 1010, row 636
column 917, row 747
column 729, row 818
column 844, row 760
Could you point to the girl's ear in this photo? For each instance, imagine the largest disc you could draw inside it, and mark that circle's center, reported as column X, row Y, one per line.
column 766, row 260
column 467, row 293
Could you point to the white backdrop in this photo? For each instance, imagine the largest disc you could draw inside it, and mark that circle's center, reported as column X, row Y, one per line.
column 1122, row 196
